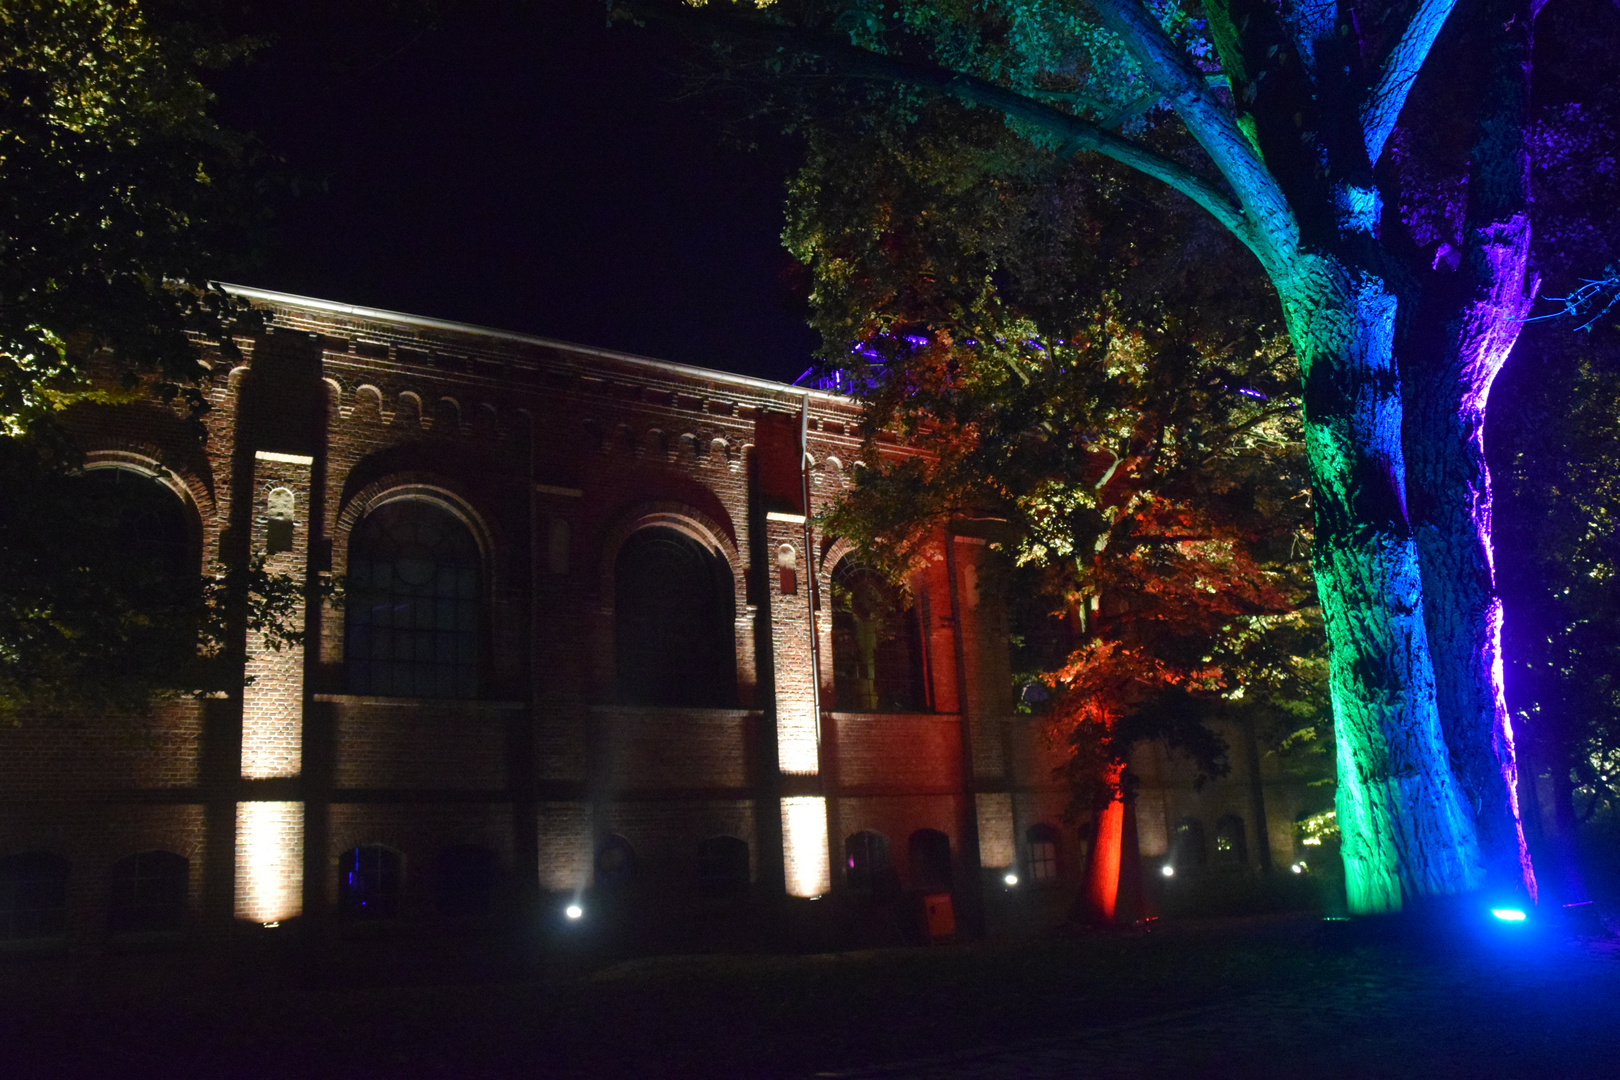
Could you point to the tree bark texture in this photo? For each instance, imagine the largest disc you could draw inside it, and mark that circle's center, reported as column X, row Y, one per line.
column 1468, row 321
column 1405, row 831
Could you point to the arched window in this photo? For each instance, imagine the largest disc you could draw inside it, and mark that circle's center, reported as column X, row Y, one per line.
column 723, row 866
column 148, row 892
column 930, row 852
column 412, row 627
column 146, row 540
column 867, row 867
column 464, row 880
column 369, row 878
column 673, row 630
column 1231, row 845
column 33, row 896
column 1043, row 854
column 615, row 863
column 876, row 644
column 1187, row 845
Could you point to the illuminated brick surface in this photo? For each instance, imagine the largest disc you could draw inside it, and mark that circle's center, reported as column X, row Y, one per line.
column 554, row 455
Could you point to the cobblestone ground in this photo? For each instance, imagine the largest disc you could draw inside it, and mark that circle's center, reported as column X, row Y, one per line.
column 1550, row 1012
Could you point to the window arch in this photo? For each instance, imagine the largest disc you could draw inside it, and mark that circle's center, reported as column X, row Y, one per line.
column 148, row 892
column 412, row 627
column 33, row 896
column 1231, row 845
column 1187, row 845
column 867, row 866
column 673, row 628
column 930, row 852
column 369, row 879
column 876, row 643
column 723, row 865
column 615, row 863
column 1043, row 854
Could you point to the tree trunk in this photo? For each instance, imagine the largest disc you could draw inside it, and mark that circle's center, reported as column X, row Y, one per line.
column 1466, row 326
column 1405, row 832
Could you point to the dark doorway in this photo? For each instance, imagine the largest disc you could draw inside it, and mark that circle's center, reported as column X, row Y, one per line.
column 464, row 880
column 33, row 896
column 930, row 852
column 369, row 879
column 1231, row 845
column 868, row 869
column 723, row 866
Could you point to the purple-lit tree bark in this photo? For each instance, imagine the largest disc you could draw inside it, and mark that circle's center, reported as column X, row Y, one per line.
column 1291, row 106
column 1465, row 324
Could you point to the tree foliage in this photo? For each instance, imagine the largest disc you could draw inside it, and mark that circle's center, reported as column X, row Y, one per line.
column 1115, row 400
column 119, row 195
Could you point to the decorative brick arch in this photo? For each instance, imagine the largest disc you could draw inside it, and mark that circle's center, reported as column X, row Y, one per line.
column 712, row 534
column 192, row 491
column 416, row 485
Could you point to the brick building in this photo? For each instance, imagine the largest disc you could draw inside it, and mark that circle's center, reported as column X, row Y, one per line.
column 591, row 643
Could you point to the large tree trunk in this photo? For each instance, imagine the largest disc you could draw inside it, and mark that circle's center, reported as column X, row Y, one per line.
column 1405, row 832
column 1466, row 326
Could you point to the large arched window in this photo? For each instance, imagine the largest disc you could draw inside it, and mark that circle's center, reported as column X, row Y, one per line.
column 148, row 892
column 876, row 644
column 33, row 896
column 673, row 622
column 143, row 545
column 412, row 627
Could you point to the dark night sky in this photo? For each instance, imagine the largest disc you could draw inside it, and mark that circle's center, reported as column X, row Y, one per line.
column 529, row 171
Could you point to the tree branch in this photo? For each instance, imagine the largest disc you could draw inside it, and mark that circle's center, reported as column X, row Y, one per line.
column 1169, row 69
column 1386, row 97
column 1075, row 134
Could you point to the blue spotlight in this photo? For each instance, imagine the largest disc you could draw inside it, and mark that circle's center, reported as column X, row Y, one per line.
column 1508, row 914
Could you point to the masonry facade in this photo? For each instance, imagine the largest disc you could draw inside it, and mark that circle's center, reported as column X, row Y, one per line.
column 592, row 642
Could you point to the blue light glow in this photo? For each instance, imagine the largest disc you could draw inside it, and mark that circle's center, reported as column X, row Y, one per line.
column 1507, row 914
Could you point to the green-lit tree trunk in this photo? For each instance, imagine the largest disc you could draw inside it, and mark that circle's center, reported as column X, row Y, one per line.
column 1405, row 832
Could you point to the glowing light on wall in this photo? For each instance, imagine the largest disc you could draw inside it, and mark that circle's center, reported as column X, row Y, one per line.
column 1508, row 914
column 796, row 745
column 997, row 847
column 269, row 860
column 804, row 843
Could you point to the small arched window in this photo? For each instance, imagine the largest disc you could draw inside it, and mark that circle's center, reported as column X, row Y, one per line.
column 369, row 879
column 1043, row 854
column 867, row 866
column 723, row 866
column 930, row 852
column 464, row 880
column 33, row 896
column 673, row 622
column 148, row 892
column 1187, row 845
column 876, row 644
column 615, row 864
column 412, row 627
column 1231, row 845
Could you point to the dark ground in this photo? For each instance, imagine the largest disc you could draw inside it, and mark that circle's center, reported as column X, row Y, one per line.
column 1282, row 996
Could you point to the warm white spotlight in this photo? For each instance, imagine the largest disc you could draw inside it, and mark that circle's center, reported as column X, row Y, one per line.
column 574, row 911
column 1011, row 879
column 1167, row 870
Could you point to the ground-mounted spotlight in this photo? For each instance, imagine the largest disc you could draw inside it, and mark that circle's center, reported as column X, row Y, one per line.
column 1508, row 914
column 1298, row 868
column 1010, row 879
column 574, row 911
column 1167, row 870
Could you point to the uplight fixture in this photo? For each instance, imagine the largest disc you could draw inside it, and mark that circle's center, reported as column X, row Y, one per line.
column 1167, row 870
column 1011, row 879
column 1508, row 914
column 574, row 911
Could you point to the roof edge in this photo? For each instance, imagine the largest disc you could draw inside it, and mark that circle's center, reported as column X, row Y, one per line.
column 357, row 311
